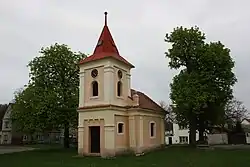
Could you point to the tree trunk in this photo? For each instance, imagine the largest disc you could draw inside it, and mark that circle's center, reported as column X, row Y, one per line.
column 31, row 138
column 201, row 128
column 192, row 116
column 201, row 135
column 66, row 135
column 192, row 130
column 192, row 137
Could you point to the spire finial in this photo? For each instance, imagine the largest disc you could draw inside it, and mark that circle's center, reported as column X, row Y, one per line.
column 106, row 13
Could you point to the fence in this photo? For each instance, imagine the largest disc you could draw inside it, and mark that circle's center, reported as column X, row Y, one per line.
column 220, row 138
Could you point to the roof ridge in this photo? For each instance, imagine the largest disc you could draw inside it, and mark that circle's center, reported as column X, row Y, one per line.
column 148, row 98
column 151, row 99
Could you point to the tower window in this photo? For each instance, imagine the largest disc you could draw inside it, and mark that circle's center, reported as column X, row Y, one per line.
column 119, row 88
column 94, row 88
column 119, row 74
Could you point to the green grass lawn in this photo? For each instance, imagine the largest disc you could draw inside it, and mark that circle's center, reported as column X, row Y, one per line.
column 172, row 157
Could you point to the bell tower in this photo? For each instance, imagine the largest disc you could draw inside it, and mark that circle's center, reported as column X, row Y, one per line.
column 105, row 75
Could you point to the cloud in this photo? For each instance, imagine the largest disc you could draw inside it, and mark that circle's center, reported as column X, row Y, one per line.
column 138, row 27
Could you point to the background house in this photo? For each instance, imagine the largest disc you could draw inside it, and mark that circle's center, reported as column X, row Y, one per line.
column 246, row 127
column 176, row 134
column 8, row 135
column 246, row 122
column 230, row 135
column 5, row 134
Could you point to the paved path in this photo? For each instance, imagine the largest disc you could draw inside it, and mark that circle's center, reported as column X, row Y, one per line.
column 229, row 147
column 12, row 149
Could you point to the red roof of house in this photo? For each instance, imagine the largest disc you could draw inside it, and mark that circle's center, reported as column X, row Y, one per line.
column 146, row 102
column 105, row 47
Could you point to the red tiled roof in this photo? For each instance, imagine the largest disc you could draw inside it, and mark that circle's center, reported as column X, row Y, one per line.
column 105, row 47
column 146, row 102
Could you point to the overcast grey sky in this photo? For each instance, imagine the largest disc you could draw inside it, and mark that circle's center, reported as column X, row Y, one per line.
column 138, row 28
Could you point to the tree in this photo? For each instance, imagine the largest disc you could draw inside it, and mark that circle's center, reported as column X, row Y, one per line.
column 54, row 82
column 24, row 114
column 170, row 116
column 205, row 78
column 163, row 104
column 235, row 111
column 186, row 47
column 184, row 92
column 215, row 68
column 238, row 128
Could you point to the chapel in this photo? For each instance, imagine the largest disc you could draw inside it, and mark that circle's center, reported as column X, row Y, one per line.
column 113, row 118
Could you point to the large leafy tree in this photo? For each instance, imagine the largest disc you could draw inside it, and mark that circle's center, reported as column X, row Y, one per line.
column 215, row 71
column 187, row 45
column 54, row 83
column 25, row 115
column 205, row 79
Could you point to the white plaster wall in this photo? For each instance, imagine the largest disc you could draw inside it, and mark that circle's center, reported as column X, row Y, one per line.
column 248, row 138
column 177, row 133
column 3, row 124
column 245, row 122
column 107, row 116
column 9, row 136
column 6, row 131
column 107, row 83
column 7, row 118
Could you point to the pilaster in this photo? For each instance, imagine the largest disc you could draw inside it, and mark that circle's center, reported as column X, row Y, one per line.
column 141, row 131
column 81, row 140
column 132, row 137
column 162, row 131
column 129, row 84
column 81, row 89
column 108, row 84
column 109, row 131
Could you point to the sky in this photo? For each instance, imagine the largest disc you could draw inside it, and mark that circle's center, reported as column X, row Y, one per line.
column 138, row 28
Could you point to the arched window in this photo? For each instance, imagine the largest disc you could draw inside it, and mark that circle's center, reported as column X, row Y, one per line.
column 119, row 88
column 94, row 88
column 120, row 128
